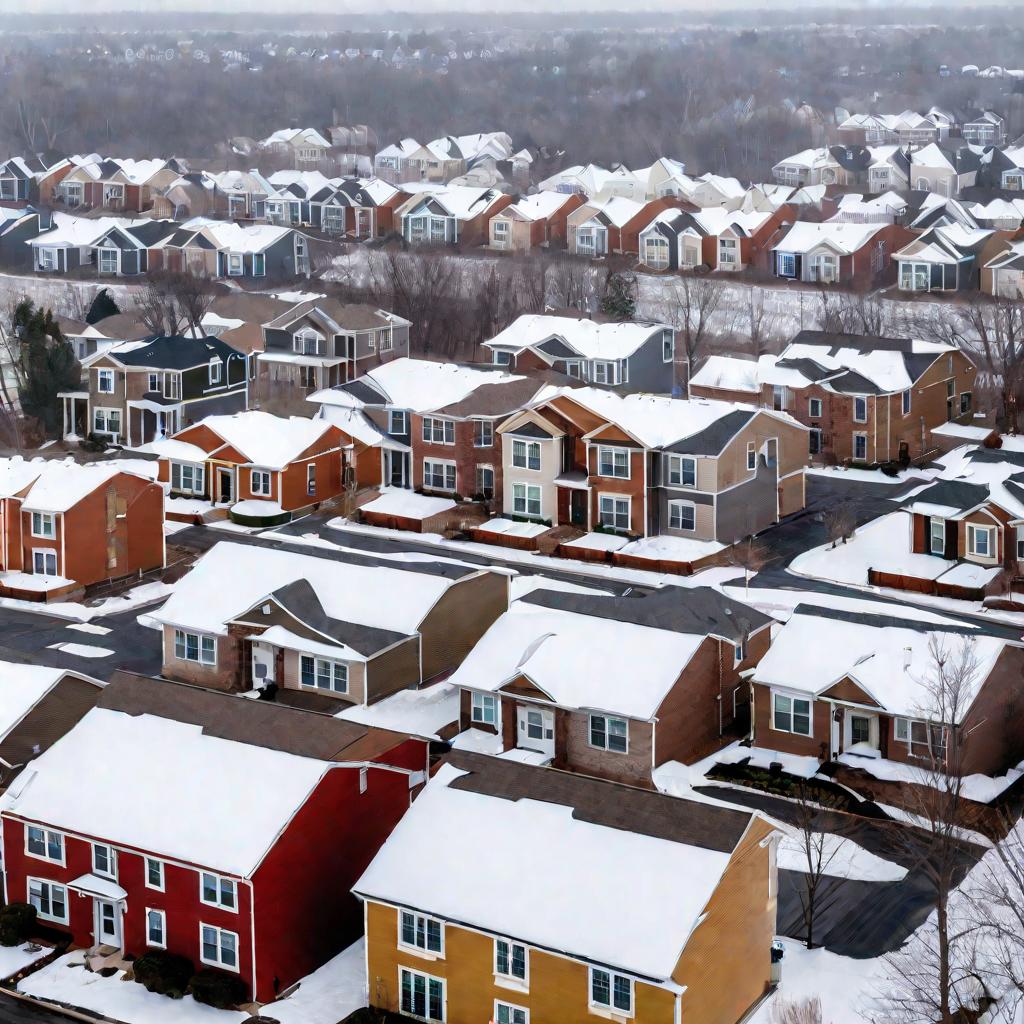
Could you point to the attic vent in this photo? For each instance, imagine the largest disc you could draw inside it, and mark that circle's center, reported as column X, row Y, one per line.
column 266, row 609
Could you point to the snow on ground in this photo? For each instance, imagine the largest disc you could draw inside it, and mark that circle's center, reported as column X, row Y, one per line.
column 870, row 476
column 408, row 504
column 511, row 528
column 478, row 741
column 138, row 597
column 598, row 542
column 81, row 650
column 844, row 985
column 67, row 981
column 842, row 858
column 229, row 527
column 418, row 712
column 982, row 788
column 171, row 527
column 88, row 627
column 527, row 583
column 672, row 549
column 14, row 958
column 327, row 995
column 964, row 834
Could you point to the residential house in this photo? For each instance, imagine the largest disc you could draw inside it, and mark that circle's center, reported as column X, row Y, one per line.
column 830, row 165
column 220, row 249
column 906, row 128
column 301, row 147
column 290, row 201
column 547, row 678
column 66, row 526
column 438, row 949
column 450, row 215
column 138, row 391
column 597, row 183
column 702, row 471
column 87, row 339
column 18, row 226
column 984, row 128
column 128, row 185
column 854, row 255
column 534, row 220
column 406, row 160
column 268, row 462
column 124, row 251
column 934, row 169
column 19, row 178
column 947, row 258
column 1011, row 175
column 1003, row 275
column 245, row 194
column 339, row 628
column 193, row 194
column 858, row 688
column 70, row 242
column 359, row 208
column 164, row 874
column 631, row 356
column 596, row 228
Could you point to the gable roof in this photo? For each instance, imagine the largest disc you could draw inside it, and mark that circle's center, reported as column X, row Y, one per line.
column 169, row 352
column 588, row 339
column 844, row 238
column 56, row 485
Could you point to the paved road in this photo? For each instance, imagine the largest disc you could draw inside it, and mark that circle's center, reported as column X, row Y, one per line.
column 14, row 1011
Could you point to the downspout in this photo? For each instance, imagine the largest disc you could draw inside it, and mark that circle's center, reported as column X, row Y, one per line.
column 252, row 932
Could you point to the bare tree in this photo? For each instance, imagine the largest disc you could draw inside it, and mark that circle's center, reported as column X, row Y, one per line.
column 690, row 305
column 797, row 1011
column 760, row 322
column 751, row 555
column 840, row 523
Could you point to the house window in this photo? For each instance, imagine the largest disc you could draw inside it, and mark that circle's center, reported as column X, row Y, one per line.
column 104, row 860
column 526, row 454
column 153, row 382
column 605, row 373
column 609, row 991
column 506, row 1013
column 46, row 259
column 49, row 899
column 398, row 422
column 44, row 562
column 906, row 402
column 682, row 471
column 438, row 476
column 44, row 844
column 614, row 512
column 485, row 481
column 860, row 409
column 502, row 358
column 739, row 653
column 613, row 462
column 259, row 483
column 235, row 264
column 914, row 277
column 156, row 928
column 483, row 433
column 656, row 254
column 437, row 431
column 860, row 447
column 526, row 500
column 668, row 345
column 105, row 382
column 217, row 891
column 108, row 261
column 937, row 536
column 195, row 647
column 42, row 524
column 728, row 253
column 609, row 733
column 980, row 540
column 510, row 959
column 215, row 369
column 306, row 343
column 815, row 442
column 791, row 714
column 485, row 708
column 786, row 264
column 682, row 515
column 187, row 477
column 172, row 385
column 106, row 421
column 814, row 408
column 751, row 456
column 420, row 932
column 965, row 402
column 154, row 874
column 1020, row 543
column 323, row 674
column 421, row 995
column 311, row 480
column 218, row 947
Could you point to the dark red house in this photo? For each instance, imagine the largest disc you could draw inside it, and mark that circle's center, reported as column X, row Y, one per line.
column 223, row 830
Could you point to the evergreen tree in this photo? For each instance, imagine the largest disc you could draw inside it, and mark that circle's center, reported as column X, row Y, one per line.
column 619, row 301
column 102, row 306
column 49, row 365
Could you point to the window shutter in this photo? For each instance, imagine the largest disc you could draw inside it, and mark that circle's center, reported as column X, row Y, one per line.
column 951, row 540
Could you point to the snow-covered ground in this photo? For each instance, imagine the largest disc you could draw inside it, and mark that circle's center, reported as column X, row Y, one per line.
column 137, row 597
column 327, row 995
column 15, row 958
column 840, row 858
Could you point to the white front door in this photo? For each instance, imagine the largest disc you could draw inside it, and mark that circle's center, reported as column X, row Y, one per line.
column 107, row 923
column 536, row 730
column 264, row 657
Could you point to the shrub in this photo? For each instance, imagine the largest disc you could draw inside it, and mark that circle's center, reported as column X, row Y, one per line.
column 167, row 974
column 223, row 991
column 16, row 923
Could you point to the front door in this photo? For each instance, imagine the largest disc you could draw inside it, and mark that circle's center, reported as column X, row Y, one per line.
column 578, row 508
column 107, row 923
column 536, row 730
column 264, row 657
column 225, row 485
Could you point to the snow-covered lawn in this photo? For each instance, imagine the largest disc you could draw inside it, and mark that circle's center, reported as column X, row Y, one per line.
column 327, row 995
column 14, row 958
column 67, row 981
column 138, row 597
column 840, row 858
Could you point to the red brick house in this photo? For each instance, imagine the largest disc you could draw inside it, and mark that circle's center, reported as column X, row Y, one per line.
column 256, row 821
column 65, row 526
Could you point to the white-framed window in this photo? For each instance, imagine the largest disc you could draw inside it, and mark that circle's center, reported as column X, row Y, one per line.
column 786, row 264
column 385, row 339
column 611, row 991
column 152, row 382
column 306, row 342
column 236, row 266
column 323, row 674
column 525, row 454
column 937, row 535
column 154, row 874
column 260, row 482
column 981, row 541
column 108, row 260
column 860, row 409
column 311, row 480
column 728, row 252
column 106, row 421
column 609, row 733
column 905, row 402
column 259, row 264
column 44, row 844
column 46, row 258
column 1020, row 543
column 188, row 477
column 668, row 345
column 438, row 475
column 656, row 252
column 104, row 860
column 614, row 511
column 739, row 653
column 791, row 714
column 511, row 961
column 751, row 456
column 814, row 408
column 914, row 277
column 682, row 471
column 603, row 372
column 398, row 421
column 484, row 708
column 43, row 525
column 419, row 932
column 438, row 431
column 682, row 515
column 613, row 462
column 860, row 447
column 215, row 371
column 195, row 647
column 526, row 500
column 44, row 561
column 172, row 385
column 506, row 1013
column 156, row 928
column 485, row 481
column 421, row 995
column 218, row 891
column 105, row 382
column 483, row 433
column 218, row 947
column 49, row 899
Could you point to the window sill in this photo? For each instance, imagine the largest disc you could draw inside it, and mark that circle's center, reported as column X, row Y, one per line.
column 421, row 954
column 512, row 984
column 609, row 1014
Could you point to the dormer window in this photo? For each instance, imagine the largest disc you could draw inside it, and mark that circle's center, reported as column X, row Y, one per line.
column 215, row 371
column 306, row 343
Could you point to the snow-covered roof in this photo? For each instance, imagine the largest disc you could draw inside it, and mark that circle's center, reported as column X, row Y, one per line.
column 539, row 206
column 892, row 663
column 21, row 688
column 460, row 201
column 590, row 339
column 203, row 804
column 617, row 211
column 69, row 231
column 546, row 868
column 728, row 373
column 268, row 441
column 296, row 137
column 805, row 236
column 56, row 485
column 230, row 578
column 244, row 238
